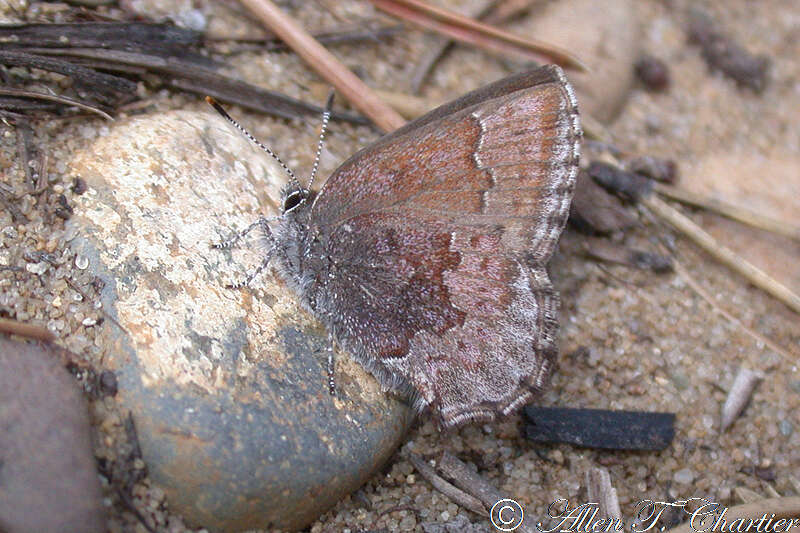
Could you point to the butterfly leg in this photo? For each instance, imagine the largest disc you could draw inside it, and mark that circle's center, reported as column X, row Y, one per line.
column 252, row 275
column 331, row 365
column 261, row 223
column 232, row 241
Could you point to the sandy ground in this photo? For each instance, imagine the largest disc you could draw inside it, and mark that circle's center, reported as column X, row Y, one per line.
column 652, row 343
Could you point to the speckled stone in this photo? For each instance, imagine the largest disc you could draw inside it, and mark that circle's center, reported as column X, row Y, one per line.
column 227, row 387
column 48, row 476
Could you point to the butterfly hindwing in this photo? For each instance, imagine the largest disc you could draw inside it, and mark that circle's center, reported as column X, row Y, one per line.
column 436, row 244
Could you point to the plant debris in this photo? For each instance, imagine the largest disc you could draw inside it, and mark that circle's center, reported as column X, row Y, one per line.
column 101, row 57
column 724, row 54
column 600, row 428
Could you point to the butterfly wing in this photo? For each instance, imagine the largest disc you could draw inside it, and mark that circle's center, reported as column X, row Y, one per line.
column 437, row 241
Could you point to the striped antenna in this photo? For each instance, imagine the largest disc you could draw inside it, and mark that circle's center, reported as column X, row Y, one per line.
column 247, row 134
column 326, row 116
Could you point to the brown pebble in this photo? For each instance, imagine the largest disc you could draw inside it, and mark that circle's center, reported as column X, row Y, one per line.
column 653, row 73
column 593, row 210
column 78, row 186
column 609, row 460
column 64, row 210
column 767, row 474
column 656, row 168
column 49, row 476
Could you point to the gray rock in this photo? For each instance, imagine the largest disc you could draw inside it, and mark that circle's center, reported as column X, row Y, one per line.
column 48, row 476
column 227, row 387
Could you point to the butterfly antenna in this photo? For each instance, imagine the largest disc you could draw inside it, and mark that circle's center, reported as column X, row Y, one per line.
column 216, row 105
column 326, row 116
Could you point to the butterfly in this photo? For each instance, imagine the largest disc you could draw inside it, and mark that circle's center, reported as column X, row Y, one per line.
column 425, row 253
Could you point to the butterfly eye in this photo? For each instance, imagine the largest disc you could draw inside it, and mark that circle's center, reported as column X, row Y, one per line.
column 294, row 199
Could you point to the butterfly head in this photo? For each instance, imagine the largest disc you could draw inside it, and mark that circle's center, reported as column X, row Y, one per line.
column 294, row 197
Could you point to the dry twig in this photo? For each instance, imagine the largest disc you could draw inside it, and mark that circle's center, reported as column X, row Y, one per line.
column 437, row 49
column 82, row 50
column 720, row 252
column 88, row 79
column 734, row 212
column 473, row 483
column 407, row 105
column 270, row 43
column 476, row 33
column 640, row 190
column 326, row 64
column 601, row 492
column 466, row 479
column 31, row 331
column 458, row 496
column 24, row 148
column 492, row 12
column 54, row 98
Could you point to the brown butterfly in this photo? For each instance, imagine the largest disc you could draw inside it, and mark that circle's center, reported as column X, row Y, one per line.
column 424, row 254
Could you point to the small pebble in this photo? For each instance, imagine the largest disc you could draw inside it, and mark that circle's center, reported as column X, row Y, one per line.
column 656, row 168
column 193, row 19
column 37, row 268
column 557, row 456
column 108, row 383
column 653, row 73
column 683, row 476
column 739, row 395
column 78, row 186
